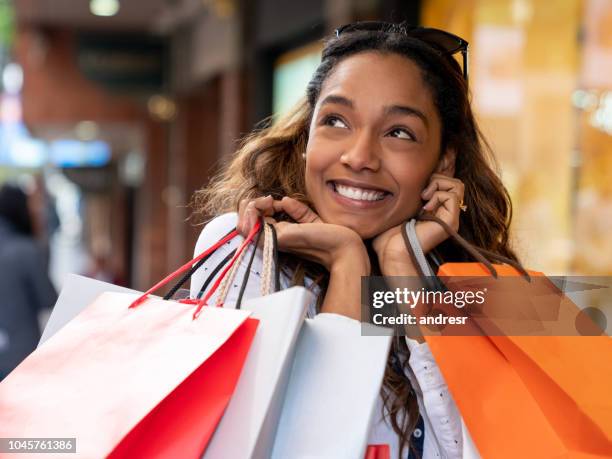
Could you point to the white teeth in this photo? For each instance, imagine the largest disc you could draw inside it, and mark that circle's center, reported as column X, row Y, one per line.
column 358, row 194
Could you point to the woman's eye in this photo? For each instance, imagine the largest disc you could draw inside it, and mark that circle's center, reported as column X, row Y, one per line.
column 334, row 121
column 401, row 134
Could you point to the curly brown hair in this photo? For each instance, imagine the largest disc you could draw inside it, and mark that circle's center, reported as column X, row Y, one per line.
column 269, row 162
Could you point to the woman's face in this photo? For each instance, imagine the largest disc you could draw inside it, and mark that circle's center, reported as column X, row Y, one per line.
column 374, row 142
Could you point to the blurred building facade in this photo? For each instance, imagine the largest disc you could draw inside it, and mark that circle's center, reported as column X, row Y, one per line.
column 171, row 85
column 542, row 89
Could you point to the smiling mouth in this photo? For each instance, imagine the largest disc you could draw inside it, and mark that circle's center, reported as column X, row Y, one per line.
column 358, row 194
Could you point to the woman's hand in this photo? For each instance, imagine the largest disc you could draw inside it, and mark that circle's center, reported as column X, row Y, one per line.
column 309, row 237
column 443, row 195
column 338, row 248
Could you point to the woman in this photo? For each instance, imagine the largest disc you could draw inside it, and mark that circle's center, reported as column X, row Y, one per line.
column 385, row 131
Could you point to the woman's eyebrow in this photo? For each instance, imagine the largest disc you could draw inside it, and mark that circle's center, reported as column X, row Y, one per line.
column 335, row 99
column 388, row 110
column 405, row 110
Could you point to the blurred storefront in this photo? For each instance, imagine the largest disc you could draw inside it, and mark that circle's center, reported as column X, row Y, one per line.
column 542, row 88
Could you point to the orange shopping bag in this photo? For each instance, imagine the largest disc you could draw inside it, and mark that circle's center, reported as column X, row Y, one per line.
column 535, row 396
column 131, row 376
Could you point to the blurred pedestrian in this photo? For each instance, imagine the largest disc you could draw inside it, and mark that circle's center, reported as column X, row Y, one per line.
column 25, row 287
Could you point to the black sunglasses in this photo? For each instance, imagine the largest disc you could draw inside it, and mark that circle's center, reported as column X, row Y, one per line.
column 443, row 41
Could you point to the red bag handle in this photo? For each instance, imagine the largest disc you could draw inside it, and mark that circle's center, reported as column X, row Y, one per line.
column 141, row 299
column 204, row 301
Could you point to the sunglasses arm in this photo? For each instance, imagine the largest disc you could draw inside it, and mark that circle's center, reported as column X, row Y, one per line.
column 464, row 53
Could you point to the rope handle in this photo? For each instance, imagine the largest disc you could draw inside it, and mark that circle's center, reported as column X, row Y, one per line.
column 266, row 275
column 229, row 277
column 247, row 274
column 204, row 301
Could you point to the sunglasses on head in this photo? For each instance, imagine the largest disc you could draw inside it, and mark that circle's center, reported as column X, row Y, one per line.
column 443, row 41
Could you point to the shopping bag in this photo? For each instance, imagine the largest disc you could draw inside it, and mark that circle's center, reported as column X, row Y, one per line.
column 552, row 392
column 249, row 424
column 333, row 388
column 112, row 369
column 378, row 452
column 256, row 410
column 131, row 374
column 531, row 390
column 77, row 292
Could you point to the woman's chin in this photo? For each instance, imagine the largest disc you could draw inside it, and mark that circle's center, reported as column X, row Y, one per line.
column 363, row 228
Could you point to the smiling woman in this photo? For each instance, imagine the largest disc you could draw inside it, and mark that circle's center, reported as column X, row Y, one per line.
column 374, row 142
column 385, row 131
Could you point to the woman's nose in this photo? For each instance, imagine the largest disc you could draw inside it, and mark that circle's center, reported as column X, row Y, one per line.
column 362, row 154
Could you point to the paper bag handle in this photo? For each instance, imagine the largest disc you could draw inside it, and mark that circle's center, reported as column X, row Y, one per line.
column 270, row 256
column 274, row 245
column 479, row 254
column 189, row 265
column 197, row 266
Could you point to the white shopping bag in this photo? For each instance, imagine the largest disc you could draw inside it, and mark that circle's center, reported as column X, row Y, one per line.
column 249, row 424
column 333, row 389
column 77, row 293
column 248, row 427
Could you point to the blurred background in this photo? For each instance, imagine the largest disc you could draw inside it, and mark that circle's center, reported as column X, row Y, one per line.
column 113, row 112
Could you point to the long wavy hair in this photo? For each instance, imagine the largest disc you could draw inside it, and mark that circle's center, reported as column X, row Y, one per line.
column 269, row 162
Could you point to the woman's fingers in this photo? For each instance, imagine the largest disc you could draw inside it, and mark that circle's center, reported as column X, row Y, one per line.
column 439, row 182
column 443, row 195
column 265, row 205
column 249, row 210
column 241, row 218
column 297, row 210
column 446, row 199
column 445, row 205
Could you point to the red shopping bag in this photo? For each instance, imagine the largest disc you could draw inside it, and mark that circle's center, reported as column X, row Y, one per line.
column 549, row 392
column 127, row 381
column 378, row 452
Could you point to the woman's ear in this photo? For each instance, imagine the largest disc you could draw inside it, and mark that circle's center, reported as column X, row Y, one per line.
column 446, row 163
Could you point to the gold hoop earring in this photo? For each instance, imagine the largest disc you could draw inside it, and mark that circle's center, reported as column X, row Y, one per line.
column 304, row 156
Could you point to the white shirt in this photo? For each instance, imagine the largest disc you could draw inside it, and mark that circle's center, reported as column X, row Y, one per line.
column 445, row 432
